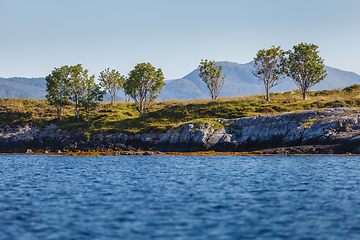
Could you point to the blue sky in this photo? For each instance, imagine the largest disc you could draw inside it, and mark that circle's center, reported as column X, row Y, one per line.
column 38, row 35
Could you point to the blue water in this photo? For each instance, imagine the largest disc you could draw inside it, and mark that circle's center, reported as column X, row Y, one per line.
column 185, row 197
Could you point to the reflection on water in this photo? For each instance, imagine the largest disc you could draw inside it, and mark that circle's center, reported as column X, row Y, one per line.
column 180, row 197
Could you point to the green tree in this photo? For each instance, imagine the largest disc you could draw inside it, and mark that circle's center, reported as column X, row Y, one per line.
column 142, row 85
column 91, row 95
column 57, row 87
column 305, row 67
column 212, row 76
column 112, row 81
column 76, row 85
column 270, row 68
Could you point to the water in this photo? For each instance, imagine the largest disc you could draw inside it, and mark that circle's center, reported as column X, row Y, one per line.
column 185, row 197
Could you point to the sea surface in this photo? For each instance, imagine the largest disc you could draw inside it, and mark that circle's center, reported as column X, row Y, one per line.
column 179, row 197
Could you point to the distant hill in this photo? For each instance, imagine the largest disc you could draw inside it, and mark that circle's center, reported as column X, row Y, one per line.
column 16, row 87
column 31, row 88
column 239, row 81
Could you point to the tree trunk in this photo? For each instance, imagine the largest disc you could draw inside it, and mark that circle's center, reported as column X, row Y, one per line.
column 127, row 98
column 88, row 116
column 267, row 94
column 112, row 99
column 77, row 112
column 304, row 95
column 58, row 112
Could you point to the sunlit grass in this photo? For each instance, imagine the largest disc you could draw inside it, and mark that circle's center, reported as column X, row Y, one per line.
column 123, row 117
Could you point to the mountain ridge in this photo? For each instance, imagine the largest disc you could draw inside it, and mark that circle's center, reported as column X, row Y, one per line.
column 239, row 81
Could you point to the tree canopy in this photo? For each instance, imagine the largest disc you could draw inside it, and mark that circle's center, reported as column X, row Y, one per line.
column 112, row 81
column 57, row 88
column 143, row 84
column 212, row 76
column 73, row 83
column 305, row 67
column 91, row 96
column 269, row 67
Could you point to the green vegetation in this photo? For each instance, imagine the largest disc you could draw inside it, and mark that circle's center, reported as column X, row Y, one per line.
column 73, row 83
column 143, row 84
column 124, row 117
column 305, row 67
column 58, row 92
column 311, row 121
column 112, row 81
column 302, row 64
column 270, row 68
column 211, row 75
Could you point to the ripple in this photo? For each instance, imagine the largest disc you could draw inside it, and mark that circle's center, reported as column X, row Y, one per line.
column 180, row 197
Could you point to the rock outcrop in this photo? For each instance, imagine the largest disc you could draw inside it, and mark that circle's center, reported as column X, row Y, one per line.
column 333, row 130
column 52, row 137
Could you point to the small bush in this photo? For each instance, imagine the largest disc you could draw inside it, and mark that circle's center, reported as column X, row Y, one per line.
column 317, row 104
column 291, row 100
column 352, row 88
column 322, row 93
column 335, row 104
column 266, row 110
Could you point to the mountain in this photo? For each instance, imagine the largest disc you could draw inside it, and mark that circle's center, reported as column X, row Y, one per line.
column 240, row 81
column 31, row 88
column 17, row 87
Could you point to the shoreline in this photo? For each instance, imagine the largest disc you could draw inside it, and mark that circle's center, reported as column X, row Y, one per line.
column 322, row 131
column 157, row 153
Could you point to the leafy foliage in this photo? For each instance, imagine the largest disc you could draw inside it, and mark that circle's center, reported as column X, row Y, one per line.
column 73, row 83
column 91, row 96
column 76, row 85
column 305, row 67
column 269, row 67
column 143, row 84
column 212, row 76
column 112, row 81
column 57, row 88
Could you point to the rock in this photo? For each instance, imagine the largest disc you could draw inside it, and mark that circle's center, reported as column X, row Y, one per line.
column 337, row 127
column 29, row 151
column 286, row 133
column 149, row 153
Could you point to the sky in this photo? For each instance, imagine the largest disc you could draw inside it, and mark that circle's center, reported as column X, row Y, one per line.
column 174, row 35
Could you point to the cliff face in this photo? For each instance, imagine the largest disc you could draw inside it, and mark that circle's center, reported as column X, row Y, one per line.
column 333, row 130
column 337, row 127
column 52, row 137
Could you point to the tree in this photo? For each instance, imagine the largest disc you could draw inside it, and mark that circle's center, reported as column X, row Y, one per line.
column 91, row 96
column 76, row 84
column 269, row 67
column 112, row 81
column 57, row 87
column 143, row 83
column 305, row 67
column 211, row 75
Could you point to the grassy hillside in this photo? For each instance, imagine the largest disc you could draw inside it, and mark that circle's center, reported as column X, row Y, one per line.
column 123, row 117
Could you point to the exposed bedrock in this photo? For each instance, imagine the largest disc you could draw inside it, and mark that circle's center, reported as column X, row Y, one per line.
column 52, row 137
column 337, row 130
column 333, row 130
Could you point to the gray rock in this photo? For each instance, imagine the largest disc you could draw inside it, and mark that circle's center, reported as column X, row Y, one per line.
column 311, row 127
column 29, row 151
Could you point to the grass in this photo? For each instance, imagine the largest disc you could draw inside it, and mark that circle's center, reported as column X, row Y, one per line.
column 123, row 117
column 311, row 121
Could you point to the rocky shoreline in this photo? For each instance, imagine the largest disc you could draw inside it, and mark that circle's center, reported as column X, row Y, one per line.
column 324, row 131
